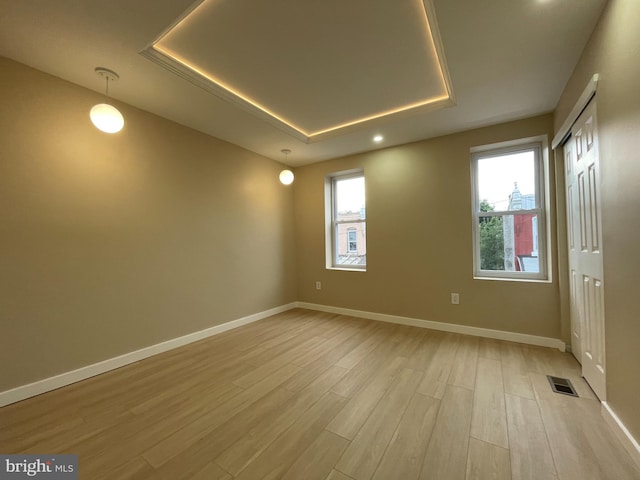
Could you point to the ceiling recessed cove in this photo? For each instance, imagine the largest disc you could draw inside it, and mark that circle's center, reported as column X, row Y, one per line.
column 313, row 69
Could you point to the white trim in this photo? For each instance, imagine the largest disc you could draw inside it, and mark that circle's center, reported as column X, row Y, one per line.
column 630, row 444
column 430, row 11
column 41, row 386
column 340, row 269
column 583, row 101
column 445, row 327
column 184, row 70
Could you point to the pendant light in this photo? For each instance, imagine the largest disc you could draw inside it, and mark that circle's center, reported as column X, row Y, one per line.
column 286, row 175
column 106, row 117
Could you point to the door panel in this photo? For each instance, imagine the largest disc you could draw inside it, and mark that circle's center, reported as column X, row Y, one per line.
column 584, row 218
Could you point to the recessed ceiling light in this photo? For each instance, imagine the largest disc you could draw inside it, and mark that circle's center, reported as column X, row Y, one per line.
column 378, row 138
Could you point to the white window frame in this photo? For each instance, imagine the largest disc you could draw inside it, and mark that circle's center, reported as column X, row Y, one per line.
column 540, row 148
column 331, row 224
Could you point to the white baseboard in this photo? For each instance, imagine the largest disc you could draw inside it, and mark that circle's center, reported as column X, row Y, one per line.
column 36, row 388
column 41, row 386
column 630, row 444
column 445, row 327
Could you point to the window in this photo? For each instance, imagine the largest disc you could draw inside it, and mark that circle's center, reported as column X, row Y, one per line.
column 352, row 239
column 509, row 213
column 346, row 221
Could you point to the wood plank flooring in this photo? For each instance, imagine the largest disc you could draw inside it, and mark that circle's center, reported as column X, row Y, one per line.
column 313, row 396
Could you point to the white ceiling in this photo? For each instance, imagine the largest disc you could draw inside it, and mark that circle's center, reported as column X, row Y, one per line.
column 315, row 65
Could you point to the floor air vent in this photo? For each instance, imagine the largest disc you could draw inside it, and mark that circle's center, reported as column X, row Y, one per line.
column 562, row 385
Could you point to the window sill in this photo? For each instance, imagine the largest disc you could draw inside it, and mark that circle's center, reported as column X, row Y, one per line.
column 506, row 279
column 347, row 269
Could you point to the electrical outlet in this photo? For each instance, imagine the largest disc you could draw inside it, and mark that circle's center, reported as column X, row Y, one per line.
column 318, row 285
column 455, row 298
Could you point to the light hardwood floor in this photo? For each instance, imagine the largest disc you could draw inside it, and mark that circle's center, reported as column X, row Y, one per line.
column 306, row 395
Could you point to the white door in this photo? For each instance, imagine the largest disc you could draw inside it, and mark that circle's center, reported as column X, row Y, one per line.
column 584, row 230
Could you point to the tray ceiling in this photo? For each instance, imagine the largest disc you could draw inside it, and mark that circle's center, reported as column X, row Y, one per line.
column 311, row 70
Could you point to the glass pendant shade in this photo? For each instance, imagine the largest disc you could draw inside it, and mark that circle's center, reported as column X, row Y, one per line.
column 286, row 177
column 107, row 118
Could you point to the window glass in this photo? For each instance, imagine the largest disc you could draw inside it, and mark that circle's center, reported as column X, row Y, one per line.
column 352, row 239
column 349, row 198
column 508, row 182
column 507, row 243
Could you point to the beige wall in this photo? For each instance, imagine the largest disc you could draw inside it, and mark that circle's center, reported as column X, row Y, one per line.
column 419, row 238
column 613, row 53
column 112, row 243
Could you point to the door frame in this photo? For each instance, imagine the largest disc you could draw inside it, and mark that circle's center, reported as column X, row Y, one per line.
column 581, row 104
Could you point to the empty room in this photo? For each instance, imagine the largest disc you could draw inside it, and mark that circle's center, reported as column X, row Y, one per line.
column 319, row 240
